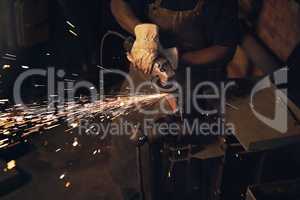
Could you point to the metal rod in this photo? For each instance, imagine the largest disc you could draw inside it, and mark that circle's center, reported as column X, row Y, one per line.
column 140, row 171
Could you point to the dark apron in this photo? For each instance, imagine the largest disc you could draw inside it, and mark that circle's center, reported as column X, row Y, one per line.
column 188, row 32
column 185, row 28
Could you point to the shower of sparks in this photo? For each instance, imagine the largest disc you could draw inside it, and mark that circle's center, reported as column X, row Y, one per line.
column 17, row 123
column 70, row 24
column 62, row 176
column 6, row 66
column 73, row 33
column 75, row 143
column 11, row 164
column 68, row 184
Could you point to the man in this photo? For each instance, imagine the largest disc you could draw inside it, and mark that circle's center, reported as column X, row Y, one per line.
column 204, row 31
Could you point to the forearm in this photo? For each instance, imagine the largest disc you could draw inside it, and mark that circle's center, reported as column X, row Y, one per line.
column 208, row 55
column 124, row 15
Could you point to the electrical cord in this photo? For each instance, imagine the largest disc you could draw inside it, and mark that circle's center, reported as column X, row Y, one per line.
column 108, row 33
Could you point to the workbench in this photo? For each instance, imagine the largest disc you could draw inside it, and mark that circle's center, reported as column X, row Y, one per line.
column 252, row 133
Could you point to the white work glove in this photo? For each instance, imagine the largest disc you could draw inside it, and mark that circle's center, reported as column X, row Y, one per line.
column 145, row 48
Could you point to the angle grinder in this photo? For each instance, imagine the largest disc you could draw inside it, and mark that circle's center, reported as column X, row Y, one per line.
column 164, row 67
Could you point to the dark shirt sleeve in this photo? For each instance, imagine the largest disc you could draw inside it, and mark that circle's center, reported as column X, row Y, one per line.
column 225, row 28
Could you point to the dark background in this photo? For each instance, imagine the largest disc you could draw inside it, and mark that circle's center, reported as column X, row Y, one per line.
column 44, row 40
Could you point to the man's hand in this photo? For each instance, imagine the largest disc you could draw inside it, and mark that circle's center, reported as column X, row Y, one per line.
column 145, row 48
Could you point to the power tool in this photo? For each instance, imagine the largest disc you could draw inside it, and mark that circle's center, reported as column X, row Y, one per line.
column 164, row 66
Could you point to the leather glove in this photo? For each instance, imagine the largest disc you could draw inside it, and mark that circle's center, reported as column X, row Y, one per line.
column 145, row 48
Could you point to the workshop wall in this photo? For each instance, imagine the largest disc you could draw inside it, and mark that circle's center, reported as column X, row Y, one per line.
column 23, row 23
column 7, row 33
column 276, row 22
